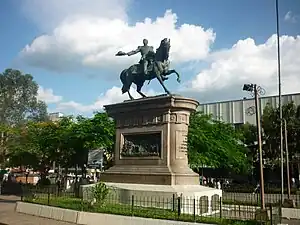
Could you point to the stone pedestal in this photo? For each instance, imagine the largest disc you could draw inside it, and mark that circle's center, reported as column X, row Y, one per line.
column 151, row 141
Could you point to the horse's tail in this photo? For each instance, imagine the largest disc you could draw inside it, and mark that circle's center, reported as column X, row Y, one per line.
column 124, row 79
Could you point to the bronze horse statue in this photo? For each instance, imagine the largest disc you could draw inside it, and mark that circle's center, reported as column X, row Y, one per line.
column 159, row 69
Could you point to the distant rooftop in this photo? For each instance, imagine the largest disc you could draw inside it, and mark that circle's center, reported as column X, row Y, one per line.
column 54, row 116
column 245, row 98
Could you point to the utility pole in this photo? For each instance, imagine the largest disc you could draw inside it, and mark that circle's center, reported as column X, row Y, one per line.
column 287, row 160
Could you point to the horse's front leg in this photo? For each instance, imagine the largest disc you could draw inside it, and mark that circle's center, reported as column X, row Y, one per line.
column 169, row 72
column 160, row 79
column 139, row 88
column 130, row 96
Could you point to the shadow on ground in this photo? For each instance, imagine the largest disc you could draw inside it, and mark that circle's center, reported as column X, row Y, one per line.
column 7, row 201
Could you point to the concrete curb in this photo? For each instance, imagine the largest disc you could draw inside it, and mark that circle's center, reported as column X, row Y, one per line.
column 49, row 212
column 86, row 218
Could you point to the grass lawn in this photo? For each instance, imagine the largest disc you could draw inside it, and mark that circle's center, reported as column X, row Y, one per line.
column 129, row 210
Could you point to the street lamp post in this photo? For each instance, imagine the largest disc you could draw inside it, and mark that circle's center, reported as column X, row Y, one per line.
column 280, row 99
column 253, row 88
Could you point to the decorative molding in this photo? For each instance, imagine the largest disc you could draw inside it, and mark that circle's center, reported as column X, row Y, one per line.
column 148, row 120
column 173, row 117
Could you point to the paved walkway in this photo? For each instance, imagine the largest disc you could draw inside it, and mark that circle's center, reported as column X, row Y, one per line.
column 9, row 217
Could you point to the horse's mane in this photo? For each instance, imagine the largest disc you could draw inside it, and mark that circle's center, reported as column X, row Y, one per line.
column 161, row 53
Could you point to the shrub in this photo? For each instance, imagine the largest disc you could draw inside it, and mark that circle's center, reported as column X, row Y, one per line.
column 100, row 192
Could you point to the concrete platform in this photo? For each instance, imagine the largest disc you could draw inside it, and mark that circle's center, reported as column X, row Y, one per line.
column 162, row 196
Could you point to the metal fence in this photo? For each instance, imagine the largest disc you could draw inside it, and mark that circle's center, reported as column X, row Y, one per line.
column 232, row 207
column 254, row 198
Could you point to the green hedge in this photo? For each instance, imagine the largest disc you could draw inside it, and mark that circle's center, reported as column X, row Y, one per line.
column 128, row 210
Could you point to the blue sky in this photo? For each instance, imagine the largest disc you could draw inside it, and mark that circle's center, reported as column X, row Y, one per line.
column 70, row 46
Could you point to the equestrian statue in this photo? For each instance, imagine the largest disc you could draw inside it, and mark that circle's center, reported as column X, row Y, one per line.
column 151, row 65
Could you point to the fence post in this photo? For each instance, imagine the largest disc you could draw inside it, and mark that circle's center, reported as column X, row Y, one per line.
column 280, row 211
column 22, row 195
column 82, row 202
column 132, row 205
column 220, row 205
column 48, row 195
column 173, row 203
column 178, row 206
column 271, row 214
column 194, row 209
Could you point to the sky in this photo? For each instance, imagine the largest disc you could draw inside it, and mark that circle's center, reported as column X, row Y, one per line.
column 217, row 46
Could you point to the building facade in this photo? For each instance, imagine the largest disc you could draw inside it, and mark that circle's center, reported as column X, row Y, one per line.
column 55, row 116
column 242, row 111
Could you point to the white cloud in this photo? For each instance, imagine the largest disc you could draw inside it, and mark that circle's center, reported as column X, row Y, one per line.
column 247, row 62
column 48, row 96
column 49, row 14
column 113, row 95
column 291, row 17
column 91, row 39
column 88, row 33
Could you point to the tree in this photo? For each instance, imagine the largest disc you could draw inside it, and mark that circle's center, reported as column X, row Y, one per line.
column 18, row 98
column 92, row 133
column 5, row 132
column 271, row 133
column 18, row 104
column 103, row 132
column 66, row 142
column 35, row 145
column 39, row 144
column 215, row 143
column 271, row 128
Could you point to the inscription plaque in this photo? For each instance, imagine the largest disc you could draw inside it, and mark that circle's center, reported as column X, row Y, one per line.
column 181, row 144
column 141, row 145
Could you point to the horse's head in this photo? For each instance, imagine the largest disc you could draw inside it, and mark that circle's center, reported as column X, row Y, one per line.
column 162, row 53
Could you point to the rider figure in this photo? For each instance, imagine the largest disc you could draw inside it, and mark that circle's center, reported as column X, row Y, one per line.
column 146, row 57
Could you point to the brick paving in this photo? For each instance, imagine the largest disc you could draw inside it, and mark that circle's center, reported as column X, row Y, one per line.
column 8, row 216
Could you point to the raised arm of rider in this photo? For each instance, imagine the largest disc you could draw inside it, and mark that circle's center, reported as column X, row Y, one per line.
column 134, row 52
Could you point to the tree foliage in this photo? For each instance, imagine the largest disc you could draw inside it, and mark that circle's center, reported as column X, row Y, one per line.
column 39, row 144
column 18, row 98
column 271, row 133
column 216, row 144
column 18, row 104
column 271, row 127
